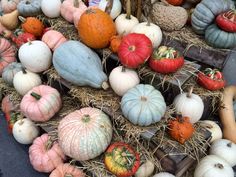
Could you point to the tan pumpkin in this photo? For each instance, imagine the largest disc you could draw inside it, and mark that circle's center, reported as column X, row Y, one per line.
column 9, row 5
column 67, row 170
column 10, row 20
column 5, row 32
column 44, row 155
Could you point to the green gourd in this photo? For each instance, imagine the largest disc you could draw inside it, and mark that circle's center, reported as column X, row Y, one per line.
column 79, row 65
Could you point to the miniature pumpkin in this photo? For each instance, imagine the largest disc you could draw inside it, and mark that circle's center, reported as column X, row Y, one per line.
column 175, row 2
column 44, row 155
column 7, row 54
column 213, row 165
column 115, row 8
column 12, row 117
column 32, row 25
column 25, row 80
column 145, row 170
column 227, row 21
column 166, row 60
column 98, row 25
column 181, row 129
column 143, row 105
column 9, row 72
column 121, row 159
column 115, row 43
column 121, row 80
column 64, row 170
column 29, row 8
column 9, row 5
column 38, row 59
column 41, row 103
column 163, row 174
column 21, row 37
column 84, row 134
column 51, row 8
column 25, row 131
column 10, row 20
column 135, row 49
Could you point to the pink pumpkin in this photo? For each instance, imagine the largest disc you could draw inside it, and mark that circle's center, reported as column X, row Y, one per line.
column 43, row 157
column 66, row 169
column 77, row 14
column 7, row 54
column 9, row 5
column 41, row 103
column 53, row 39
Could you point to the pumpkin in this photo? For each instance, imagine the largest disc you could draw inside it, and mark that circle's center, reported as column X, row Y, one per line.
column 115, row 43
column 44, row 155
column 189, row 105
column 224, row 149
column 145, row 170
column 8, row 105
column 84, row 134
column 25, row 80
column 7, row 54
column 10, row 20
column 9, row 5
column 51, row 8
column 98, row 25
column 175, row 2
column 181, row 129
column 38, row 59
column 143, row 105
column 21, row 37
column 29, row 8
column 5, row 32
column 214, row 128
column 218, row 38
column 80, row 68
column 163, row 174
column 227, row 21
column 25, row 131
column 125, row 22
column 113, row 7
column 121, row 80
column 12, row 118
column 166, row 60
column 79, row 10
column 9, row 72
column 32, row 25
column 64, row 170
column 206, row 11
column 134, row 50
column 226, row 113
column 213, row 165
column 41, row 103
column 121, row 159
column 53, row 39
column 152, row 31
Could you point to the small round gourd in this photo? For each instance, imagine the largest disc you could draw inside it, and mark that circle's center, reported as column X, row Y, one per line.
column 143, row 105
column 25, row 131
column 51, row 8
column 122, row 79
column 66, row 169
column 32, row 25
column 115, row 9
column 29, row 8
column 224, row 149
column 163, row 174
column 10, row 71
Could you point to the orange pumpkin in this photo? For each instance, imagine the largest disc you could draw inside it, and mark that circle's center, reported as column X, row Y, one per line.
column 66, row 169
column 175, row 2
column 95, row 28
column 181, row 129
column 32, row 25
column 115, row 43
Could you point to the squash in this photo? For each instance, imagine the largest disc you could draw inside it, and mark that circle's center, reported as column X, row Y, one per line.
column 115, row 8
column 213, row 165
column 163, row 174
column 5, row 32
column 10, row 20
column 145, row 170
column 79, row 10
column 226, row 113
column 10, row 71
column 29, row 8
column 84, row 134
column 80, row 68
column 115, row 42
column 20, row 37
column 121, row 80
column 227, row 21
column 38, row 59
column 67, row 170
column 143, row 105
column 25, row 131
column 51, row 8
column 12, row 118
column 9, row 5
column 41, row 103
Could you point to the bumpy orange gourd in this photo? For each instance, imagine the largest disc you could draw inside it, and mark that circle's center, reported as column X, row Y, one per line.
column 115, row 43
column 95, row 28
column 175, row 2
column 32, row 25
column 66, row 169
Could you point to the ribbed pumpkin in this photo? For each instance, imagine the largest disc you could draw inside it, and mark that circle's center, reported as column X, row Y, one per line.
column 29, row 8
column 100, row 27
column 9, row 5
column 67, row 170
column 85, row 134
column 32, row 25
column 10, row 71
column 143, row 105
column 41, row 103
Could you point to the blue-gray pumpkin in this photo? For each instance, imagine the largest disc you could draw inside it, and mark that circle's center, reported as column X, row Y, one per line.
column 143, row 105
column 29, row 8
column 206, row 11
column 10, row 71
column 218, row 38
column 79, row 65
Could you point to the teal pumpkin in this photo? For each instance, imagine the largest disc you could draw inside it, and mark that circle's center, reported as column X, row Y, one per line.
column 206, row 11
column 10, row 71
column 79, row 65
column 218, row 38
column 143, row 105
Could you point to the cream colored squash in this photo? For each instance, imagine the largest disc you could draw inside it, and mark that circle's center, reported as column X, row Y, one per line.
column 163, row 174
column 116, row 7
column 145, row 170
column 51, row 8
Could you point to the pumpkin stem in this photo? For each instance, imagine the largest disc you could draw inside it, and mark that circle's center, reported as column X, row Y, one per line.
column 143, row 98
column 219, row 165
column 76, row 3
column 21, row 122
column 22, row 19
column 149, row 22
column 128, row 9
column 123, row 69
column 28, row 2
column 68, row 175
column 23, row 70
column 86, row 118
column 189, row 94
column 36, row 96
column 229, row 144
column 180, row 118
column 109, row 6
column 105, row 85
column 139, row 10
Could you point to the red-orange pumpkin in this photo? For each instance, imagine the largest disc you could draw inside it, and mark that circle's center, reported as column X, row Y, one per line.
column 67, row 170
column 115, row 43
column 175, row 2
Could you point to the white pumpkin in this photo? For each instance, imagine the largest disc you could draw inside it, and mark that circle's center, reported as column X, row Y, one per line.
column 214, row 128
column 25, row 131
column 25, row 80
column 213, row 166
column 145, row 170
column 121, row 80
column 116, row 7
column 190, row 105
column 152, row 31
column 163, row 174
column 35, row 56
column 225, row 149
column 51, row 8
